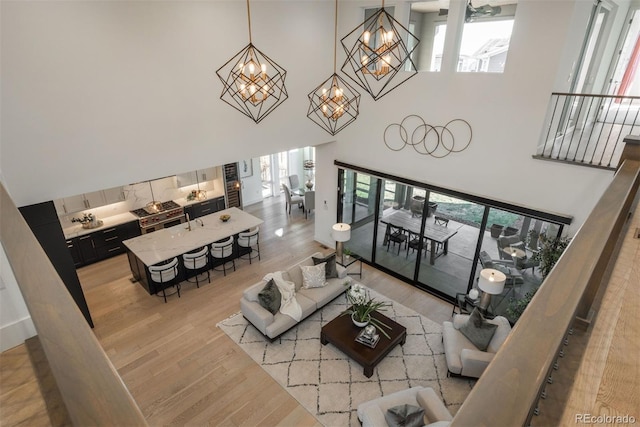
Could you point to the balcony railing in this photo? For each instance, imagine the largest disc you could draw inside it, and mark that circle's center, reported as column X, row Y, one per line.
column 588, row 129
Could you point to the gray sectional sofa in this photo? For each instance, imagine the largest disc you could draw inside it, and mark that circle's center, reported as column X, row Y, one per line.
column 310, row 300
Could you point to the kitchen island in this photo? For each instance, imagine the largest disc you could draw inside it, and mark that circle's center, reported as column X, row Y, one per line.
column 163, row 245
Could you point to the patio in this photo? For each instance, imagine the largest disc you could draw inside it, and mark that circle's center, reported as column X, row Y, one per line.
column 450, row 272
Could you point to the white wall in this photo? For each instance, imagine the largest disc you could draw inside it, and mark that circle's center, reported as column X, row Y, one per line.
column 15, row 321
column 100, row 94
column 252, row 185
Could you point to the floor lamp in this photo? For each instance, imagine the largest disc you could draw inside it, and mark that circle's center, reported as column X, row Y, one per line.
column 491, row 282
column 341, row 233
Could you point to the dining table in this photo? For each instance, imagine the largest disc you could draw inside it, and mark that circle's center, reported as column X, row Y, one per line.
column 434, row 233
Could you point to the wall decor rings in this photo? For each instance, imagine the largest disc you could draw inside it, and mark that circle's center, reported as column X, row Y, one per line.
column 426, row 139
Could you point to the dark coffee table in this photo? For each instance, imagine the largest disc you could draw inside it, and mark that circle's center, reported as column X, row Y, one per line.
column 341, row 332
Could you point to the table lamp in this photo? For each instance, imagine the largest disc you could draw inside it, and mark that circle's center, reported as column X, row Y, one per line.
column 341, row 233
column 491, row 282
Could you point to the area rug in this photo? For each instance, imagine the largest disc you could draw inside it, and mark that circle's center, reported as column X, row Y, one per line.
column 329, row 384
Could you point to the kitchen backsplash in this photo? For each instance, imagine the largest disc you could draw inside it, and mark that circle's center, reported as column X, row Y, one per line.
column 139, row 194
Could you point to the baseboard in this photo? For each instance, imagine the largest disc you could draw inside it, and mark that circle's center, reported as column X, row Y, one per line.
column 16, row 333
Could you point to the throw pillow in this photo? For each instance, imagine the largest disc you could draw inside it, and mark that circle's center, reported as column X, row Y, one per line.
column 405, row 415
column 313, row 276
column 331, row 270
column 478, row 330
column 270, row 297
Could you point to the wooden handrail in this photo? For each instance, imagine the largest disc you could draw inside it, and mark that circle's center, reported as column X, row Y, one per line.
column 519, row 370
column 91, row 388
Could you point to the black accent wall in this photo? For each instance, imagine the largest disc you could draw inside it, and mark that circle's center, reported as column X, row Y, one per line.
column 43, row 221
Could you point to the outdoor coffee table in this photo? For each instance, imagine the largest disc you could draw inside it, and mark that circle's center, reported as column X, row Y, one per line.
column 341, row 332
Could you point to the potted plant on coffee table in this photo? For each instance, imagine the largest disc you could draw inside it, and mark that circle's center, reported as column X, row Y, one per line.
column 362, row 306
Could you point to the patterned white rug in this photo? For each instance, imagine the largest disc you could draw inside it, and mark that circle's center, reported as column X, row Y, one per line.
column 329, row 384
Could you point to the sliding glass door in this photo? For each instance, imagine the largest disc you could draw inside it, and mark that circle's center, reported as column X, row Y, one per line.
column 439, row 240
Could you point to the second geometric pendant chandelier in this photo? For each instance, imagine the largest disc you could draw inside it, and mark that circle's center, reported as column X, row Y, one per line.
column 334, row 104
column 252, row 82
column 379, row 54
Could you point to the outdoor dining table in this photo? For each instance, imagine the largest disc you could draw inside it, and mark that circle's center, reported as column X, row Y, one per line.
column 433, row 232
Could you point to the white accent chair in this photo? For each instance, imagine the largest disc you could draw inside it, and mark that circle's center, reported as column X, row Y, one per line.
column 196, row 263
column 164, row 276
column 371, row 413
column 464, row 358
column 223, row 251
column 251, row 240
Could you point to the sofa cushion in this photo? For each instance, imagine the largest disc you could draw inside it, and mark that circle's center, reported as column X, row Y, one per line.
column 282, row 322
column 270, row 297
column 405, row 415
column 295, row 273
column 478, row 330
column 313, row 276
column 330, row 268
column 251, row 293
column 325, row 294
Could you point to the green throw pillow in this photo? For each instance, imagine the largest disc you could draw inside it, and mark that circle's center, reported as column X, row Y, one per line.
column 330, row 269
column 478, row 330
column 405, row 416
column 269, row 297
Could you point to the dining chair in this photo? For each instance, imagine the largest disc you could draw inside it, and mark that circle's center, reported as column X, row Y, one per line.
column 438, row 220
column 250, row 240
column 396, row 235
column 294, row 182
column 165, row 275
column 291, row 199
column 309, row 202
column 413, row 243
column 223, row 251
column 195, row 263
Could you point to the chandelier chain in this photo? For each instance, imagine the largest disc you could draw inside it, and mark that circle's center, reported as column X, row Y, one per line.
column 335, row 39
column 249, row 19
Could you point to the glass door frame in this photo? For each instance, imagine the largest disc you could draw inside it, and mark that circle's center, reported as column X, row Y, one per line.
column 559, row 220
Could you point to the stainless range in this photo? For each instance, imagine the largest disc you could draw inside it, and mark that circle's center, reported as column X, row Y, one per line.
column 171, row 214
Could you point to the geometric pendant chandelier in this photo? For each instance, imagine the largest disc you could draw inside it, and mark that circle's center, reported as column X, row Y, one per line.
column 334, row 104
column 252, row 82
column 379, row 54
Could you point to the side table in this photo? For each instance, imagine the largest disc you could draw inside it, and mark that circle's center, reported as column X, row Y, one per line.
column 465, row 305
column 346, row 262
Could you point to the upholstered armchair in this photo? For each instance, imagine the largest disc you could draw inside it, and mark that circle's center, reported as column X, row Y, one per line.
column 462, row 356
column 372, row 413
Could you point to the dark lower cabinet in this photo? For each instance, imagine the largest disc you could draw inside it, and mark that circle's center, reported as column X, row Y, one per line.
column 104, row 243
column 45, row 225
column 206, row 207
column 72, row 245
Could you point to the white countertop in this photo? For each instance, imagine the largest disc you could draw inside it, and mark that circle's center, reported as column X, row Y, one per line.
column 210, row 196
column 167, row 243
column 76, row 230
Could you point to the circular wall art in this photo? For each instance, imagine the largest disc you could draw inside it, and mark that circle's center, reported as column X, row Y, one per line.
column 426, row 139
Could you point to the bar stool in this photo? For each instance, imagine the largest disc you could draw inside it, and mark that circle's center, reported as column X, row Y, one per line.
column 250, row 239
column 197, row 262
column 165, row 275
column 223, row 250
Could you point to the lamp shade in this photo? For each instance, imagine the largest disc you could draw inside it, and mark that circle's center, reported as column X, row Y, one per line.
column 492, row 281
column 341, row 232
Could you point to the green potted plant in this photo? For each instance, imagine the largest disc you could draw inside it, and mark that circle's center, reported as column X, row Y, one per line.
column 548, row 254
column 362, row 305
column 347, row 254
column 549, row 251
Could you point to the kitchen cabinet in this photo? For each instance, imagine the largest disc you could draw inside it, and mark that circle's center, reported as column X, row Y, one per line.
column 72, row 245
column 103, row 244
column 114, row 195
column 196, row 177
column 205, row 207
column 82, row 202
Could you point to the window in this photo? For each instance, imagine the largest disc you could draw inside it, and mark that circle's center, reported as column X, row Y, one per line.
column 485, row 38
column 428, row 22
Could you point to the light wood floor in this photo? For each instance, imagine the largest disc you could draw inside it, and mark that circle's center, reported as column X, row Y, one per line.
column 182, row 369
